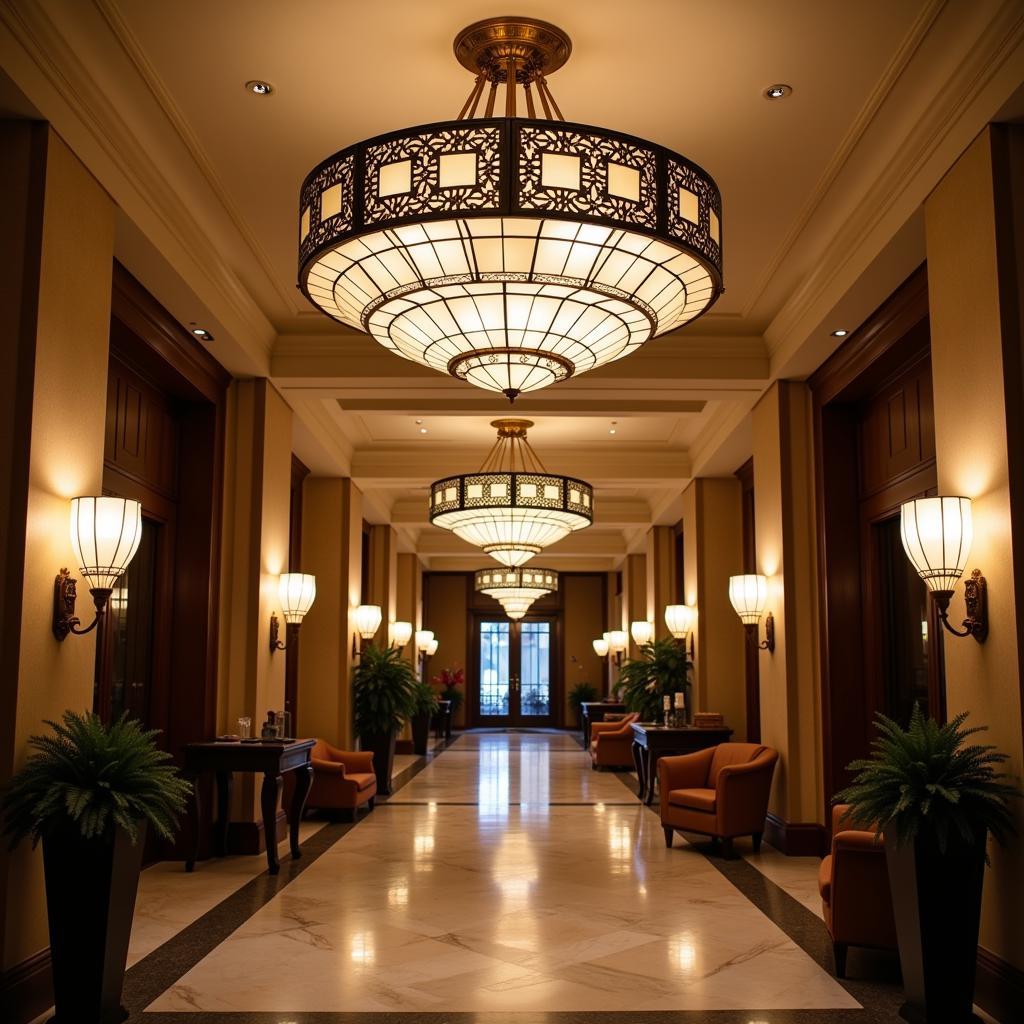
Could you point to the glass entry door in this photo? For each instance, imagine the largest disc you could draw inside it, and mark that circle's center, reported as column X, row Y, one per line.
column 513, row 672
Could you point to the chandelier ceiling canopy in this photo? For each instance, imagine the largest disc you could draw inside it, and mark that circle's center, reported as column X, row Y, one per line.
column 516, row 589
column 512, row 507
column 512, row 252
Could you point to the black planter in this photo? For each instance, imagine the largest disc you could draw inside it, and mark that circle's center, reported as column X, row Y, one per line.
column 90, row 900
column 383, row 746
column 937, row 904
column 420, row 733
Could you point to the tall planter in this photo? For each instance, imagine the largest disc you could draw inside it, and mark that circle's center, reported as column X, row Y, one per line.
column 420, row 732
column 383, row 746
column 937, row 904
column 91, row 886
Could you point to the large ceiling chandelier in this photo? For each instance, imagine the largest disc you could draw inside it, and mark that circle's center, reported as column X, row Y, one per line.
column 512, row 507
column 516, row 589
column 511, row 252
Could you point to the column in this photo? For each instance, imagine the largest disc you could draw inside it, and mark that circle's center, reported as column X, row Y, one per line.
column 409, row 599
column 634, row 597
column 661, row 576
column 384, row 578
column 974, row 242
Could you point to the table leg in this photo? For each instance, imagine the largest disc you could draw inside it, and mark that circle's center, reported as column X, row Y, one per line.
column 586, row 733
column 651, row 767
column 638, row 763
column 303, row 779
column 268, row 801
column 197, row 811
column 448, row 728
column 223, row 812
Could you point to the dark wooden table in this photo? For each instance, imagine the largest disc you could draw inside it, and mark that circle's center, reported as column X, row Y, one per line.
column 652, row 742
column 594, row 711
column 271, row 760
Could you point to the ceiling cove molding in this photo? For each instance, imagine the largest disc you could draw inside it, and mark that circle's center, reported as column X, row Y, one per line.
column 145, row 190
column 857, row 242
column 134, row 52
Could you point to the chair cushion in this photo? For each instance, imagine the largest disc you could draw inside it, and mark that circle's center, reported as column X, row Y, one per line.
column 695, row 799
column 825, row 879
column 732, row 753
column 362, row 781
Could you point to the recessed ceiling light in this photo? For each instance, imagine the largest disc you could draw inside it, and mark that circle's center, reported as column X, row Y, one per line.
column 418, row 422
column 258, row 87
column 841, row 333
column 423, row 430
column 202, row 334
column 778, row 92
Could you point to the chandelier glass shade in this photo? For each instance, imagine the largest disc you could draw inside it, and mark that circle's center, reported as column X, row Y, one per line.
column 516, row 589
column 512, row 508
column 510, row 252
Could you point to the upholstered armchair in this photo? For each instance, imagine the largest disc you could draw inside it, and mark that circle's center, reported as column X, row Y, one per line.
column 720, row 792
column 854, row 884
column 611, row 743
column 343, row 780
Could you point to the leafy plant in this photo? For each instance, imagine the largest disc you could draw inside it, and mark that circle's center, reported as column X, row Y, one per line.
column 424, row 699
column 449, row 680
column 661, row 669
column 581, row 693
column 96, row 776
column 928, row 781
column 383, row 689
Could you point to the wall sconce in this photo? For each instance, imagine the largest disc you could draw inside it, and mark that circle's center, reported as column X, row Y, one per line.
column 399, row 634
column 297, row 592
column 937, row 534
column 617, row 643
column 680, row 619
column 601, row 648
column 431, row 648
column 642, row 632
column 105, row 534
column 367, row 620
column 749, row 595
column 424, row 640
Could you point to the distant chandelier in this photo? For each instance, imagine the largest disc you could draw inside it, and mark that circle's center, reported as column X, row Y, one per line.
column 506, row 251
column 512, row 507
column 516, row 589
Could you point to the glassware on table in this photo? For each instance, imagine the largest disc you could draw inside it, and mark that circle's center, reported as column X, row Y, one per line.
column 244, row 727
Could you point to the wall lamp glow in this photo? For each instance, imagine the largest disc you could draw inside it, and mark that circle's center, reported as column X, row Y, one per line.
column 601, row 648
column 618, row 640
column 297, row 592
column 367, row 620
column 399, row 634
column 105, row 534
column 937, row 534
column 642, row 633
column 748, row 595
column 424, row 641
column 431, row 648
column 680, row 619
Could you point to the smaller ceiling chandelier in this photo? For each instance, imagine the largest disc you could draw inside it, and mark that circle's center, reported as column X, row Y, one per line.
column 512, row 507
column 516, row 589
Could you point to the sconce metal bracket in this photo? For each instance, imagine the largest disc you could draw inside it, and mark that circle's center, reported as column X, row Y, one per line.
column 275, row 633
column 65, row 596
column 976, row 603
column 768, row 644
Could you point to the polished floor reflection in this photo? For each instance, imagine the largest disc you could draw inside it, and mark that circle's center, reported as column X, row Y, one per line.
column 507, row 876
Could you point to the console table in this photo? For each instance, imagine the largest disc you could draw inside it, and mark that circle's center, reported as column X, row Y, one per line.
column 594, row 711
column 272, row 760
column 652, row 742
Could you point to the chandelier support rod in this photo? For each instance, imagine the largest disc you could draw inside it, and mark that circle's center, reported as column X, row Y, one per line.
column 542, row 87
column 510, row 87
column 469, row 107
column 491, row 96
column 544, row 101
column 531, row 113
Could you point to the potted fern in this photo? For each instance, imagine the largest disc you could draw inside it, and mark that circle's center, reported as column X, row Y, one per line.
column 661, row 669
column 382, row 692
column 579, row 695
column 88, row 791
column 935, row 797
column 424, row 707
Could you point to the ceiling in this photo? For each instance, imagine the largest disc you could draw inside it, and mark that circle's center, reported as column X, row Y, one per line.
column 821, row 196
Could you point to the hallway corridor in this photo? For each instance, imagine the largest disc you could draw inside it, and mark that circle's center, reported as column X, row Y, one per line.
column 505, row 878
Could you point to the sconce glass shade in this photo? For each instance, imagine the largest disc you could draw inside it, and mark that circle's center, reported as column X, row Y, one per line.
column 617, row 641
column 643, row 632
column 431, row 648
column 297, row 592
column 680, row 618
column 368, row 618
column 601, row 648
column 749, row 596
column 105, row 534
column 937, row 535
column 423, row 639
column 401, row 633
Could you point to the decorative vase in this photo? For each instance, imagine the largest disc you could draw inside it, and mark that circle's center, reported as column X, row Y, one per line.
column 937, row 905
column 420, row 732
column 383, row 746
column 91, row 886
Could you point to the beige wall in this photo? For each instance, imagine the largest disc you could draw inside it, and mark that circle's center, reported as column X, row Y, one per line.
column 64, row 339
column 976, row 352
column 445, row 612
column 661, row 576
column 383, row 579
column 786, row 554
column 634, row 597
column 583, row 620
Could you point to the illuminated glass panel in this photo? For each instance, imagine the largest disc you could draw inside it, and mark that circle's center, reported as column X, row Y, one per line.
column 494, row 668
column 535, row 669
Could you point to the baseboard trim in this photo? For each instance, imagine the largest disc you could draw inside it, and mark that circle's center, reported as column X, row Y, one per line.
column 247, row 838
column 999, row 987
column 796, row 838
column 26, row 989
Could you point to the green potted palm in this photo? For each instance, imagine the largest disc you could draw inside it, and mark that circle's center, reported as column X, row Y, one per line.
column 382, row 692
column 580, row 694
column 424, row 706
column 88, row 792
column 661, row 670
column 935, row 798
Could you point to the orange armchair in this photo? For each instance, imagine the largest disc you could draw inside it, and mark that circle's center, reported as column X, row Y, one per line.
column 854, row 884
column 343, row 780
column 611, row 743
column 720, row 792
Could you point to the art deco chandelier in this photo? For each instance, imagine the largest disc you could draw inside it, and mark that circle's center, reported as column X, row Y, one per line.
column 512, row 252
column 512, row 507
column 516, row 589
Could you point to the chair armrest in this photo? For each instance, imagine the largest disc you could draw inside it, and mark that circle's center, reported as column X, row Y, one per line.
column 685, row 771
column 741, row 795
column 856, row 840
column 597, row 728
column 357, row 760
column 328, row 767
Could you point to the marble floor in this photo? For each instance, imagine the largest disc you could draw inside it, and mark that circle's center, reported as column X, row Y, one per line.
column 503, row 881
